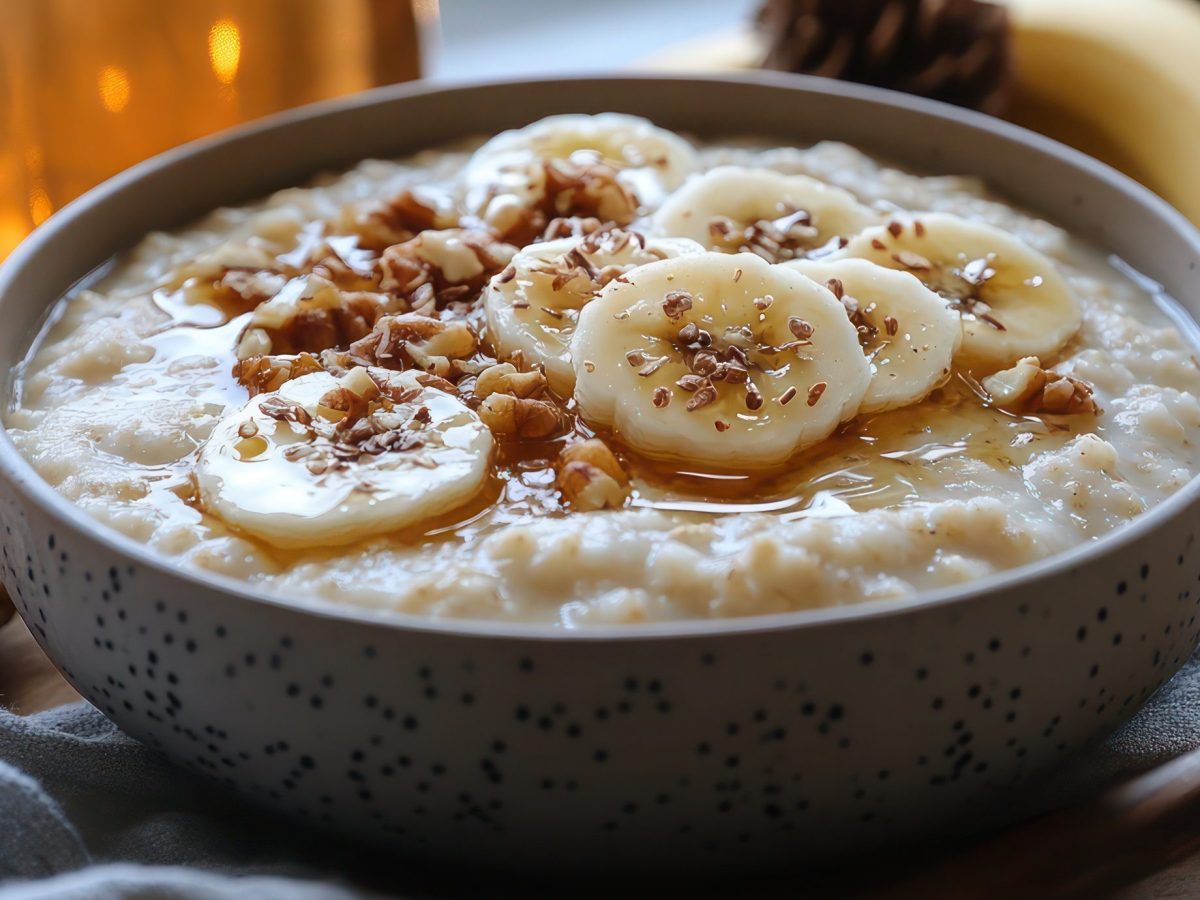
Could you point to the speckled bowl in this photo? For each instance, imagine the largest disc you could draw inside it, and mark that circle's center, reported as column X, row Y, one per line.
column 687, row 746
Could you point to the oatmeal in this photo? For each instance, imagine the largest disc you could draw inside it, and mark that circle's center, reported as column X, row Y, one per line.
column 587, row 372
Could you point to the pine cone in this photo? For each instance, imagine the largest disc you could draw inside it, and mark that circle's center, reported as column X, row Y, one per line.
column 951, row 50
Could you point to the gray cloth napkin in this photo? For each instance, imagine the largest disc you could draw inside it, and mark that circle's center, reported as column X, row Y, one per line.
column 86, row 812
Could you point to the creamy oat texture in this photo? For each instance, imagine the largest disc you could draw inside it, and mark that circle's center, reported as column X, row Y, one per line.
column 134, row 375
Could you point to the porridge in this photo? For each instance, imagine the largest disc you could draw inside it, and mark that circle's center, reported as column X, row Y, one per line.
column 588, row 372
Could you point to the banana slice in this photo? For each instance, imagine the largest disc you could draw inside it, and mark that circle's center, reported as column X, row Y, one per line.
column 761, row 211
column 908, row 332
column 1014, row 302
column 718, row 360
column 325, row 461
column 611, row 166
column 532, row 306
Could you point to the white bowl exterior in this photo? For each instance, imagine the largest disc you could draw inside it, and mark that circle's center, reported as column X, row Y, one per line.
column 781, row 739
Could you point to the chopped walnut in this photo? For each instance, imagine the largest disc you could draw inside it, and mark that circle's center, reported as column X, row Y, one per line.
column 520, row 417
column 578, row 189
column 318, row 316
column 590, row 477
column 413, row 341
column 585, row 488
column 437, row 268
column 575, row 265
column 393, row 221
column 1028, row 388
column 595, row 452
column 503, row 378
column 791, row 236
column 574, row 226
column 378, row 415
column 262, row 374
column 247, row 288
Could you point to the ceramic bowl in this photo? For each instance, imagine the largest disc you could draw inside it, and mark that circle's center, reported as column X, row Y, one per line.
column 685, row 746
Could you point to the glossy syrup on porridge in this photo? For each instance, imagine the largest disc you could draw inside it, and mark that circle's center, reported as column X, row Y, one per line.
column 588, row 373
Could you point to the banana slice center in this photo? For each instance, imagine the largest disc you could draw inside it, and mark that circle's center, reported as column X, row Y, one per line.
column 329, row 461
column 718, row 359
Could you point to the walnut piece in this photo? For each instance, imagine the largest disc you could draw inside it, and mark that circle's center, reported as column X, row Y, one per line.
column 323, row 316
column 519, row 417
column 1028, row 388
column 262, row 374
column 410, row 341
column 438, row 268
column 590, row 477
column 400, row 218
column 503, row 378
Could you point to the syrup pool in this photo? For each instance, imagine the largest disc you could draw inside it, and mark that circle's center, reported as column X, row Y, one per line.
column 885, row 460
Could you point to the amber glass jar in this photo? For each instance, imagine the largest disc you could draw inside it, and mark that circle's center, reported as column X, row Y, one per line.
column 89, row 88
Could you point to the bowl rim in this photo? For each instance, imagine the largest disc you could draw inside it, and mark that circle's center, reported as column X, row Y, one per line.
column 24, row 479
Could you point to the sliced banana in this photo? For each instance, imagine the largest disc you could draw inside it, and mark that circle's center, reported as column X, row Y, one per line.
column 325, row 461
column 533, row 306
column 611, row 166
column 1014, row 302
column 777, row 216
column 720, row 360
column 908, row 332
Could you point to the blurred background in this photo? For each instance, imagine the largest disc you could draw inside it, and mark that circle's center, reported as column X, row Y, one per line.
column 89, row 87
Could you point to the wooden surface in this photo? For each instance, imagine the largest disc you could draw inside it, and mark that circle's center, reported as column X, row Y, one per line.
column 28, row 681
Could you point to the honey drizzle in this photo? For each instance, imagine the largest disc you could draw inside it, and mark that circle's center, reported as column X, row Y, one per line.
column 882, row 460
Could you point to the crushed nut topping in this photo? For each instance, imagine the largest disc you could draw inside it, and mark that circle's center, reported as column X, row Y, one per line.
column 263, row 374
column 576, row 265
column 792, row 235
column 960, row 285
column 437, row 269
column 590, row 477
column 754, row 399
column 503, row 378
column 283, row 410
column 339, row 318
column 800, row 328
column 1028, row 388
column 411, row 341
column 573, row 226
column 525, row 418
column 373, row 423
column 394, row 221
column 577, row 192
column 676, row 303
column 910, row 260
column 705, row 394
column 247, row 289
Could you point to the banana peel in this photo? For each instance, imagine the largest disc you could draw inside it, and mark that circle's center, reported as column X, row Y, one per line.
column 1118, row 79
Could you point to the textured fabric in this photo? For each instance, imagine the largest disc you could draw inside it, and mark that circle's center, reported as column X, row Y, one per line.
column 86, row 812
column 147, row 882
column 76, row 793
